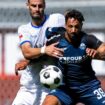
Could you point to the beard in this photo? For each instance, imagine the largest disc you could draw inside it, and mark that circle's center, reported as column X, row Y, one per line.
column 74, row 38
column 37, row 17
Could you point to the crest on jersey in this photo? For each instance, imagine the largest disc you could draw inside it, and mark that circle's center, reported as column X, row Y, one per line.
column 82, row 46
column 20, row 36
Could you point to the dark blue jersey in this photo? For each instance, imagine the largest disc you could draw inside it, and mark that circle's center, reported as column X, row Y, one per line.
column 75, row 64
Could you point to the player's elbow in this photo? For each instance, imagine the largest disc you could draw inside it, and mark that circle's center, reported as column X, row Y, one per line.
column 101, row 52
column 102, row 49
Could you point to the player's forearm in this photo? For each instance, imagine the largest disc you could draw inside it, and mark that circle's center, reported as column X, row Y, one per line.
column 100, row 56
column 29, row 52
column 32, row 53
column 101, row 52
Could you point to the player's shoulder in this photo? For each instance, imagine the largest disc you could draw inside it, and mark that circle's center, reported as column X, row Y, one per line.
column 87, row 35
column 56, row 16
column 24, row 26
column 56, row 20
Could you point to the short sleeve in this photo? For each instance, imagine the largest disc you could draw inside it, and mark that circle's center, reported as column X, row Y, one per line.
column 93, row 42
column 24, row 35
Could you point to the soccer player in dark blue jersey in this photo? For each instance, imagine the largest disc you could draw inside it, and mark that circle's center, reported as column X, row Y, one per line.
column 80, row 82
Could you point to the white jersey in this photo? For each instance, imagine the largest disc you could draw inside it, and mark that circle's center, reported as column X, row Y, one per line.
column 36, row 36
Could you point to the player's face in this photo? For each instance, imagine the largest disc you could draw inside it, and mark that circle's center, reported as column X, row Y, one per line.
column 73, row 27
column 36, row 9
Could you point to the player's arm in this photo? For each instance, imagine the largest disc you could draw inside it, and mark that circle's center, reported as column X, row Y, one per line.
column 32, row 53
column 26, row 44
column 91, row 52
column 96, row 48
column 101, row 52
column 29, row 52
column 21, row 65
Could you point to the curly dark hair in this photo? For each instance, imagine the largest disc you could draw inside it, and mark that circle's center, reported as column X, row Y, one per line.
column 74, row 14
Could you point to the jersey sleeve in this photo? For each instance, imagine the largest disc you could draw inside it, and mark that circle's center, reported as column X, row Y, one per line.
column 93, row 42
column 55, row 28
column 24, row 35
column 54, row 34
column 57, row 20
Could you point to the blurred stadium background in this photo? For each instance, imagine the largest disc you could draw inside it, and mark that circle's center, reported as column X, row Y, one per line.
column 13, row 13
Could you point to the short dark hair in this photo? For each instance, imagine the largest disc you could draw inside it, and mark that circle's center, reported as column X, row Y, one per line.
column 72, row 13
column 29, row 1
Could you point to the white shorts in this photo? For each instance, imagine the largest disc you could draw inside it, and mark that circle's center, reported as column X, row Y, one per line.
column 30, row 96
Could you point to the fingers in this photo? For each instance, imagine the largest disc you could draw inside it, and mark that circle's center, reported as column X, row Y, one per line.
column 20, row 66
column 56, row 49
column 16, row 72
column 53, row 51
column 59, row 49
column 55, row 43
column 57, row 54
column 91, row 52
column 16, row 69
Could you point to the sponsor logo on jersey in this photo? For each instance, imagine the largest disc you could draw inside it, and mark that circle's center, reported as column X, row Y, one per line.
column 73, row 59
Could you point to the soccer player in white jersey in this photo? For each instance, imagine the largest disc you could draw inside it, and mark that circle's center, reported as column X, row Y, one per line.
column 32, row 43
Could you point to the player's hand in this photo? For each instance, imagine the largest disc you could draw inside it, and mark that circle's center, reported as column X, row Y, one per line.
column 53, row 51
column 91, row 52
column 21, row 66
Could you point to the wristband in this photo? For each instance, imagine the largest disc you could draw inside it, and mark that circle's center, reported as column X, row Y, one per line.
column 42, row 51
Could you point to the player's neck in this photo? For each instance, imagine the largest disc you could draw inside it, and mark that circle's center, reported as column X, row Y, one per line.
column 67, row 36
column 38, row 22
column 74, row 41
